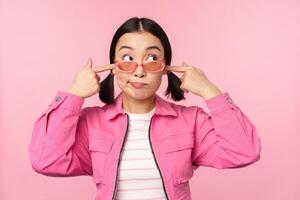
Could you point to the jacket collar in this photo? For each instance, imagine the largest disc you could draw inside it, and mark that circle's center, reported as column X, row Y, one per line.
column 162, row 107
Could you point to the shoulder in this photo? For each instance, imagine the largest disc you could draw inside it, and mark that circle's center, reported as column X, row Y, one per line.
column 185, row 110
column 90, row 111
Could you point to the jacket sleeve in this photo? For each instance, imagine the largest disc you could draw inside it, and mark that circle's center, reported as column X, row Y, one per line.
column 59, row 142
column 226, row 138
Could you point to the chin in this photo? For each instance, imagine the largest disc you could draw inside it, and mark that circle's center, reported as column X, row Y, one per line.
column 141, row 94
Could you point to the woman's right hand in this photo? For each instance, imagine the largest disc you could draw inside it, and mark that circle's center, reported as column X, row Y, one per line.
column 87, row 82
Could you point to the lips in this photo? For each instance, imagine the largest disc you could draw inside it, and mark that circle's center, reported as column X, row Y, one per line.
column 137, row 84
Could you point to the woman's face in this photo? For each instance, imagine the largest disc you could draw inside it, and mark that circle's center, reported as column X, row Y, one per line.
column 138, row 52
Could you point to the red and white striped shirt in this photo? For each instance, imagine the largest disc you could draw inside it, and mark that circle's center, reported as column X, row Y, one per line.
column 138, row 176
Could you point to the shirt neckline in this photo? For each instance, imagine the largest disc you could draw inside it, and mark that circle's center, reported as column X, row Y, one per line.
column 141, row 115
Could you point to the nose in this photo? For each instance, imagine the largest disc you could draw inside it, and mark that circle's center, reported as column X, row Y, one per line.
column 139, row 71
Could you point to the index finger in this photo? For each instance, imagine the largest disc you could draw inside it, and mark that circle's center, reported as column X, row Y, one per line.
column 176, row 68
column 103, row 68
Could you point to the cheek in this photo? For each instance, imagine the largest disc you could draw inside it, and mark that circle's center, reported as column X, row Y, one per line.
column 122, row 79
column 156, row 80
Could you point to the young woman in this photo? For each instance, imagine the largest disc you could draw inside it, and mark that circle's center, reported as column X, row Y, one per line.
column 138, row 145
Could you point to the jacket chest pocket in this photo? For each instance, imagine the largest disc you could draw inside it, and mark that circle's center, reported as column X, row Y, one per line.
column 177, row 151
column 100, row 146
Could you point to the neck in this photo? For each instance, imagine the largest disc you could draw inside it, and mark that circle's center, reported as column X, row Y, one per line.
column 138, row 106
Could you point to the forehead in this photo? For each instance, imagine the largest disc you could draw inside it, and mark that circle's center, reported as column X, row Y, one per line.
column 138, row 41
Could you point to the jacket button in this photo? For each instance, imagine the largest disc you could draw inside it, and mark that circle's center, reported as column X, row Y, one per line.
column 229, row 100
column 57, row 98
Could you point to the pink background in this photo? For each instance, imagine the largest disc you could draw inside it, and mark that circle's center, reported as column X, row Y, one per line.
column 249, row 48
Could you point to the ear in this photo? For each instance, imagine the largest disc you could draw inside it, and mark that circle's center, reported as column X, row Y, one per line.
column 165, row 71
column 114, row 71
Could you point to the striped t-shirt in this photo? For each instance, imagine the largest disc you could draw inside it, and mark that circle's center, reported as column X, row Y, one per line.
column 138, row 177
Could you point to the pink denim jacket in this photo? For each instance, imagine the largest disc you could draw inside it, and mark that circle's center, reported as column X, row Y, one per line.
column 68, row 140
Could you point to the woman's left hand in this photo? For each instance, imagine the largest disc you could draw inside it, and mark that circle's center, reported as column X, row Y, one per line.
column 194, row 80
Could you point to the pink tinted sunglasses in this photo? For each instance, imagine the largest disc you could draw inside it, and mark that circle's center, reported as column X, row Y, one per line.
column 130, row 66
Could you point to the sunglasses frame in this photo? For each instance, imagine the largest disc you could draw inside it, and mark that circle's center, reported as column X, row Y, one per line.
column 162, row 61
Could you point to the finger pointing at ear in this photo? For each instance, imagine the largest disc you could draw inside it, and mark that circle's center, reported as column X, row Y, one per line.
column 103, row 68
column 87, row 82
column 180, row 69
column 195, row 81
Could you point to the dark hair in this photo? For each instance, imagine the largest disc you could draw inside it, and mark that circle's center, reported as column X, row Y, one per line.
column 132, row 25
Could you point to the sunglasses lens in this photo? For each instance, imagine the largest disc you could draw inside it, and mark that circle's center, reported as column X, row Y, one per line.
column 127, row 66
column 131, row 66
column 152, row 66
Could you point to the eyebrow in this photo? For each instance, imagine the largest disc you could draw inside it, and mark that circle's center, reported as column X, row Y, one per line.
column 148, row 48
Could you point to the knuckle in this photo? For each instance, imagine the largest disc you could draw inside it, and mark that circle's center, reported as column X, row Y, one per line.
column 91, row 75
column 95, row 82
